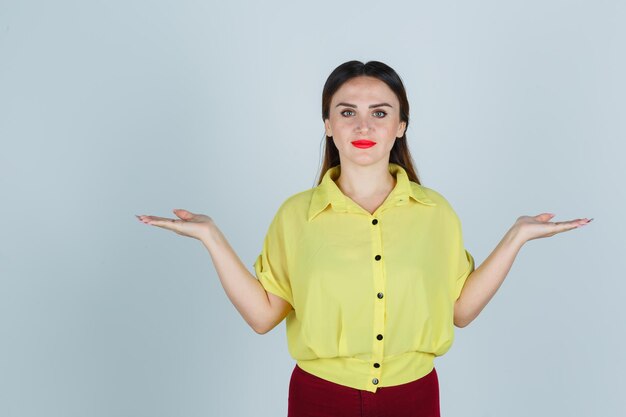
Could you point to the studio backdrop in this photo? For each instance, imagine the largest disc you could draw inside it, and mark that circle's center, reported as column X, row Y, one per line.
column 117, row 108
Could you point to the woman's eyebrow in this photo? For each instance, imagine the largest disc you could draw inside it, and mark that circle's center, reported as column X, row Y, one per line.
column 373, row 105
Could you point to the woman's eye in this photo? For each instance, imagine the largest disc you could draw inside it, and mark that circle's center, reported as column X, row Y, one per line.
column 380, row 112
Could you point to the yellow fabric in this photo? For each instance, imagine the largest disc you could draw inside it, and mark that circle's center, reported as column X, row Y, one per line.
column 319, row 255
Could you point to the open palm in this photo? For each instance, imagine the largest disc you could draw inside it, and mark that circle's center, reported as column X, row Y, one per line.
column 534, row 227
column 189, row 224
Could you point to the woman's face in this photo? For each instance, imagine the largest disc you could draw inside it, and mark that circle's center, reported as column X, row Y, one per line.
column 364, row 108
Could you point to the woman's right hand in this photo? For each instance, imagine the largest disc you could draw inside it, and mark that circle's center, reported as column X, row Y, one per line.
column 190, row 224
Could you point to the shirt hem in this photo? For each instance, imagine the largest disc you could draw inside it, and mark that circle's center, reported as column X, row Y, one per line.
column 360, row 374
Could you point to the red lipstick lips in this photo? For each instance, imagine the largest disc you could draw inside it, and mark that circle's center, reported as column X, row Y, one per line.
column 363, row 143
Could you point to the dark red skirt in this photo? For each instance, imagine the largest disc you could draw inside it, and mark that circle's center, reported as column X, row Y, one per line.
column 312, row 396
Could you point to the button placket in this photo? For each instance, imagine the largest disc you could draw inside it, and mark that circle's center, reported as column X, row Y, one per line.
column 379, row 305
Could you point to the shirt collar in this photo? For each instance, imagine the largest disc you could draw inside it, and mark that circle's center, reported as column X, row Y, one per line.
column 327, row 192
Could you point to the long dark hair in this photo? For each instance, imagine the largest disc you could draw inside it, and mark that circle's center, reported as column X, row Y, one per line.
column 400, row 151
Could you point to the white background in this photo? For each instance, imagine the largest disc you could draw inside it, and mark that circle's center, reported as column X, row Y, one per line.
column 111, row 109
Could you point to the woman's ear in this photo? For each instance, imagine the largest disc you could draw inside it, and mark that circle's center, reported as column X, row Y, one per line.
column 401, row 129
column 329, row 131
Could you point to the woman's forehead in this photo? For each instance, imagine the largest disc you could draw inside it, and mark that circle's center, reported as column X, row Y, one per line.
column 368, row 90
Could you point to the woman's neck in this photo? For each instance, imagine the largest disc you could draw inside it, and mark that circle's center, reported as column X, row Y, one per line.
column 365, row 181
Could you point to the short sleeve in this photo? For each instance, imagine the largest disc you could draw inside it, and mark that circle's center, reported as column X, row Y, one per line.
column 466, row 262
column 462, row 259
column 271, row 264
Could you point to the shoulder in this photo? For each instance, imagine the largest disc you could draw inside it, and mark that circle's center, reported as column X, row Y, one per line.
column 294, row 208
column 297, row 202
column 443, row 204
column 434, row 195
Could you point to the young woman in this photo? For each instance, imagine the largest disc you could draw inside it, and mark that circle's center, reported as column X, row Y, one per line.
column 368, row 267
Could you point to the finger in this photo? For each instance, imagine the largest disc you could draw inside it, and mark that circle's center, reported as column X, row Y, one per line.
column 544, row 217
column 183, row 214
column 568, row 225
column 143, row 218
column 576, row 221
column 170, row 224
column 158, row 221
column 156, row 218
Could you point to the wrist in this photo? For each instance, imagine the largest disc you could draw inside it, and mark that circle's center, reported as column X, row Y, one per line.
column 515, row 236
column 211, row 234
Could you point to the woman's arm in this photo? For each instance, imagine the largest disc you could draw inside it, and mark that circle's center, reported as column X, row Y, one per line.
column 261, row 310
column 484, row 281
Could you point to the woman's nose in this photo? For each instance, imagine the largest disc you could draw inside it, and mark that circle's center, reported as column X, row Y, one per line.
column 362, row 125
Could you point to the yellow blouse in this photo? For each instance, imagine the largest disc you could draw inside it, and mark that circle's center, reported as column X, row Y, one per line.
column 373, row 294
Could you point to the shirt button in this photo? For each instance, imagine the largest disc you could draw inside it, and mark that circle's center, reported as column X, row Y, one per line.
column 377, row 257
column 379, row 337
column 376, row 365
column 375, row 221
column 380, row 295
column 375, row 381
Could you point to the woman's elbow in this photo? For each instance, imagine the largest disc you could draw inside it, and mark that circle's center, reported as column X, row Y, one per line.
column 460, row 323
column 462, row 320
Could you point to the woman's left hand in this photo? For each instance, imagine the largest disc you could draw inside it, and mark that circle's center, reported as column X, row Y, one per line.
column 529, row 227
